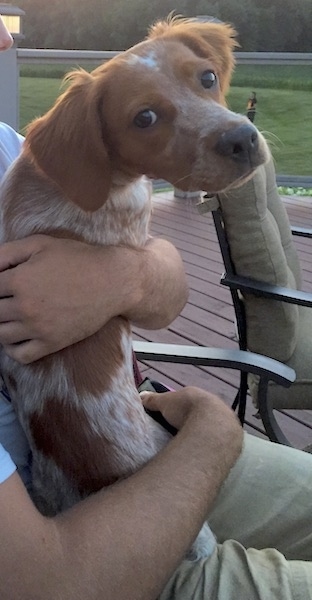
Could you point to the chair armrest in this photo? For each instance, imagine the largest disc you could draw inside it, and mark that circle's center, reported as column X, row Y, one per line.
column 266, row 290
column 302, row 232
column 249, row 362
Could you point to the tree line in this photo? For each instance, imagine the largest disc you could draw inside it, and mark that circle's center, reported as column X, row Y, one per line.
column 262, row 25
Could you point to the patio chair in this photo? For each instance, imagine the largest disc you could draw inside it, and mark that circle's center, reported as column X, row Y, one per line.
column 263, row 273
column 265, row 369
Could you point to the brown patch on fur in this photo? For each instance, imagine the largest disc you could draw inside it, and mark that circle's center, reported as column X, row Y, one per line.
column 206, row 39
column 62, row 433
column 92, row 364
column 105, row 357
column 12, row 383
column 23, row 187
column 67, row 144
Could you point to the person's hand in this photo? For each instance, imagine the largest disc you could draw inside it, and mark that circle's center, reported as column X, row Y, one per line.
column 176, row 406
column 51, row 295
column 197, row 409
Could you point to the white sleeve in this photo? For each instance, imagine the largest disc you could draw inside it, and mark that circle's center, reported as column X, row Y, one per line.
column 7, row 466
column 13, row 439
column 10, row 147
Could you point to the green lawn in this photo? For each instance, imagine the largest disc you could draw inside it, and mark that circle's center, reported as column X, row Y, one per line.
column 283, row 115
column 257, row 76
column 285, row 118
column 36, row 96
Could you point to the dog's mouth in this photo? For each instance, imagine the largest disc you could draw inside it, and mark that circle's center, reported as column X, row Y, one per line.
column 235, row 183
column 235, row 164
column 226, row 161
column 241, row 180
column 215, row 185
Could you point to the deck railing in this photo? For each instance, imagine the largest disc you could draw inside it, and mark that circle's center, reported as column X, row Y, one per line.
column 11, row 61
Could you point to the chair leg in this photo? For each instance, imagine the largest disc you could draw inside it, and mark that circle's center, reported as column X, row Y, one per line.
column 271, row 426
column 241, row 398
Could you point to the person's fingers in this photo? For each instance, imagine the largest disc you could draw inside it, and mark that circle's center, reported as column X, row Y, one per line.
column 13, row 332
column 26, row 352
column 9, row 311
column 14, row 253
column 154, row 401
column 6, row 285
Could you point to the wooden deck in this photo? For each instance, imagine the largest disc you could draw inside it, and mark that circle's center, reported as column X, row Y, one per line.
column 208, row 317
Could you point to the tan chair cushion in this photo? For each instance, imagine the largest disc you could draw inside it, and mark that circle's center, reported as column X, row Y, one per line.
column 262, row 248
column 299, row 395
column 261, row 244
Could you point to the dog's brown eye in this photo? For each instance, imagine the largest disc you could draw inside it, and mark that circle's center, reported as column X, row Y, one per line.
column 208, row 79
column 145, row 118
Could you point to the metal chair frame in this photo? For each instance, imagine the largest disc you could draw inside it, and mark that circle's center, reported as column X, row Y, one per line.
column 267, row 369
column 237, row 285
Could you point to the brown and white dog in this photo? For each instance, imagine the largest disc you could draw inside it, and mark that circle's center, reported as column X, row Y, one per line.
column 158, row 109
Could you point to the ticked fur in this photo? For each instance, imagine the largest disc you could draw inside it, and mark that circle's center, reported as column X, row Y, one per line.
column 84, row 393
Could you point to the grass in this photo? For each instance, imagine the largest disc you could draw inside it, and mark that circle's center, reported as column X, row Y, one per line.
column 285, row 118
column 36, row 97
column 283, row 115
column 272, row 76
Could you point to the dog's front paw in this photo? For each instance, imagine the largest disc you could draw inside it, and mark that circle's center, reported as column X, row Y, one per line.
column 204, row 544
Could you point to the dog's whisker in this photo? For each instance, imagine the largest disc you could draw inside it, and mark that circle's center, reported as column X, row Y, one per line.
column 272, row 140
column 182, row 179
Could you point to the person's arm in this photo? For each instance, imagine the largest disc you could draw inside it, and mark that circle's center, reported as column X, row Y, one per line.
column 55, row 292
column 125, row 542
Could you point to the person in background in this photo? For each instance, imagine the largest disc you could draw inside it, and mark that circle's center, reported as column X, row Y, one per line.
column 129, row 541
column 251, row 106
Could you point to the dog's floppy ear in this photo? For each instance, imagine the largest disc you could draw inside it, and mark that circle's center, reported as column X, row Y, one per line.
column 67, row 144
column 207, row 39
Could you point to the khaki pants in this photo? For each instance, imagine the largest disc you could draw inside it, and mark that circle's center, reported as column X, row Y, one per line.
column 263, row 523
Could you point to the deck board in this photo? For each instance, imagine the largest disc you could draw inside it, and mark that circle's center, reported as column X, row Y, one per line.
column 208, row 317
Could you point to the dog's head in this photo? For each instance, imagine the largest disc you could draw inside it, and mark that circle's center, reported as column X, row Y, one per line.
column 157, row 109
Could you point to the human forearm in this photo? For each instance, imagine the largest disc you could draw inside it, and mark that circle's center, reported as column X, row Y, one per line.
column 156, row 288
column 56, row 292
column 161, row 508
column 111, row 546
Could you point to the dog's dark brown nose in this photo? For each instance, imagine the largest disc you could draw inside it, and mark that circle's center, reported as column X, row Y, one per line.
column 239, row 143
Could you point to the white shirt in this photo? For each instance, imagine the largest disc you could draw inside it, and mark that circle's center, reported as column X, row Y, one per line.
column 14, row 448
column 7, row 466
column 10, row 147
